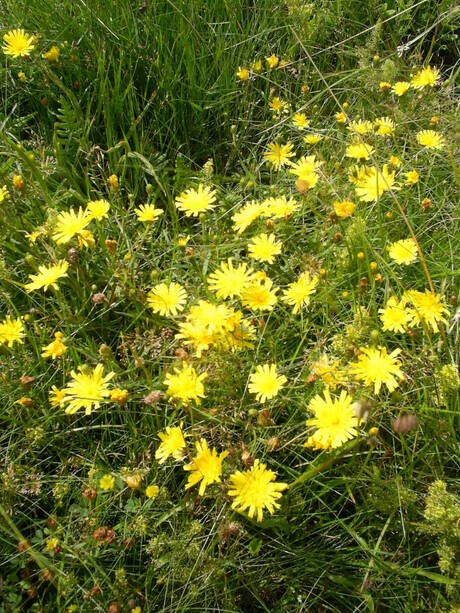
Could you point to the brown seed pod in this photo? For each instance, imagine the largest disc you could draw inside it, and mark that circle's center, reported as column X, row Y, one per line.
column 405, row 423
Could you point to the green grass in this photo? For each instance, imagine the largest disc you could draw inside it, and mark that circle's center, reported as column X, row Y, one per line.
column 148, row 92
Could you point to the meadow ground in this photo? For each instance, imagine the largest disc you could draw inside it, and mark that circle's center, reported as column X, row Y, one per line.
column 229, row 293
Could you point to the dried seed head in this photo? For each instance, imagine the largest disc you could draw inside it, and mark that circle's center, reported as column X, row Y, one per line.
column 405, row 423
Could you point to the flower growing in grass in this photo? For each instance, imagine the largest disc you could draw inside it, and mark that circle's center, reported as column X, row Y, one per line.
column 52, row 55
column 193, row 202
column 107, row 483
column 56, row 396
column 340, row 117
column 328, row 370
column 395, row 317
column 378, row 367
column 400, row 88
column 334, row 418
column 298, row 293
column 265, row 383
column 17, row 43
column 300, row 121
column 248, row 213
column 272, row 61
column 263, row 248
column 371, row 183
column 427, row 77
column 344, row 209
column 98, row 209
column 167, row 299
column 360, row 126
column 119, row 395
column 385, row 126
column 306, row 169
column 70, row 224
column 4, row 193
column 206, row 466
column 280, row 207
column 279, row 155
column 151, row 491
column 255, row 489
column 242, row 74
column 11, row 331
column 403, row 251
column 148, row 213
column 172, row 444
column 312, row 139
column 56, row 348
column 359, row 151
column 260, row 295
column 427, row 308
column 48, row 276
column 229, row 281
column 185, row 384
column 412, row 177
column 430, row 139
column 278, row 106
column 87, row 389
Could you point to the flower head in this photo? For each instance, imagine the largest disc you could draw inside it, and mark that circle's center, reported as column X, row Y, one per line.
column 425, row 308
column 97, row 209
column 272, row 61
column 11, row 331
column 360, row 126
column 242, row 74
column 48, row 276
column 52, row 55
column 172, row 444
column 312, row 139
column 263, row 248
column 260, row 295
column 371, row 183
column 427, row 77
column 255, row 489
column 400, row 88
column 56, row 348
column 335, row 420
column 298, row 293
column 376, row 366
column 229, row 281
column 17, row 43
column 344, row 209
column 248, row 213
column 87, row 389
column 395, row 317
column 70, row 224
column 4, row 193
column 403, row 251
column 151, row 491
column 430, row 139
column 206, row 466
column 195, row 201
column 279, row 207
column 148, row 213
column 56, row 396
column 340, row 117
column 185, row 384
column 412, row 177
column 279, row 155
column 167, row 299
column 306, row 169
column 300, row 121
column 107, row 483
column 359, row 151
column 265, row 383
column 385, row 126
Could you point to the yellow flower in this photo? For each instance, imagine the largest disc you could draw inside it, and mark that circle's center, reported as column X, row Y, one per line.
column 371, row 183
column 279, row 207
column 395, row 161
column 113, row 182
column 300, row 121
column 11, row 331
column 206, row 467
column 272, row 61
column 278, row 106
column 259, row 295
column 18, row 182
column 70, row 224
column 256, row 66
column 172, row 444
column 185, row 384
column 376, row 366
column 183, row 240
column 86, row 239
column 335, row 420
column 328, row 371
column 52, row 543
column 400, row 88
column 242, row 74
column 167, row 299
column 384, row 86
column 132, row 479
column 151, row 491
column 385, row 126
column 229, row 281
column 395, row 317
column 403, row 251
column 4, row 193
column 340, row 117
column 255, row 489
column 107, row 483
column 97, row 209
column 359, row 151
column 361, row 126
column 344, row 209
column 298, row 293
column 148, row 213
column 87, row 390
column 195, row 201
column 248, row 213
column 48, row 276
column 22, row 76
column 431, row 139
column 427, row 77
column 17, row 43
column 279, row 155
column 56, row 348
column 412, row 177
column 312, row 139
column 118, row 395
column 265, row 383
column 306, row 169
column 427, row 308
column 57, row 396
column 52, row 55
column 263, row 248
